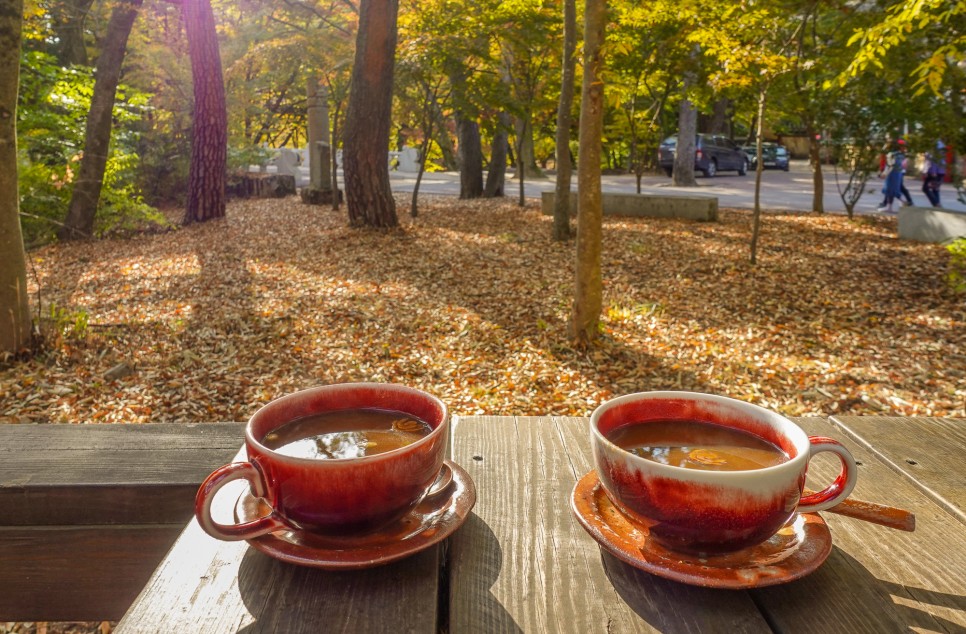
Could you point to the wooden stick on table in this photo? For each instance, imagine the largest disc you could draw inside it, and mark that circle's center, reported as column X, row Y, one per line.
column 888, row 516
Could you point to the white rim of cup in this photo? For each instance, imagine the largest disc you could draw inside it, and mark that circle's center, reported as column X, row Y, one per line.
column 392, row 387
column 797, row 434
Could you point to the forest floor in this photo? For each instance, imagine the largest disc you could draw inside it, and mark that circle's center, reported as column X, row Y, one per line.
column 471, row 300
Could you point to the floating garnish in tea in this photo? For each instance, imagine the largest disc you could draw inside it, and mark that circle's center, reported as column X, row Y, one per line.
column 697, row 445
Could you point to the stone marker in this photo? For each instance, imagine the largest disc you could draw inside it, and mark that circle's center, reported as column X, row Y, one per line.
column 287, row 162
column 320, row 190
column 408, row 159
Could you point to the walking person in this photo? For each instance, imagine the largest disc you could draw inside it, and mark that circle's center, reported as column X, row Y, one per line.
column 893, row 167
column 906, row 198
column 934, row 174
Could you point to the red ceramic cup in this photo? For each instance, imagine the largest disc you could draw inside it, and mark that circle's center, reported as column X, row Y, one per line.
column 711, row 511
column 343, row 496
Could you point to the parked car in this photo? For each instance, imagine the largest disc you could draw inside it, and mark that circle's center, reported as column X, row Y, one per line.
column 712, row 154
column 775, row 156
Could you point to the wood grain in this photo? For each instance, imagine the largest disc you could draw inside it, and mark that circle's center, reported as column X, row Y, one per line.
column 927, row 451
column 88, row 511
column 75, row 573
column 524, row 564
column 206, row 585
column 108, row 474
column 876, row 579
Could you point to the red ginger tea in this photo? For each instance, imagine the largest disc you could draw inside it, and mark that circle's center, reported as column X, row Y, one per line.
column 697, row 445
column 346, row 434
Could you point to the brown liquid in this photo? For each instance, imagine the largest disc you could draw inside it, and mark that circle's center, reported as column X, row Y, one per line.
column 697, row 445
column 346, row 434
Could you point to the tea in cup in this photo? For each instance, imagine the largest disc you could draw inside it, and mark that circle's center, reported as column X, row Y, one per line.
column 339, row 459
column 705, row 473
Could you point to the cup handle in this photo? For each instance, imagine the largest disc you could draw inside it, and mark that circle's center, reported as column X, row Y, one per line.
column 844, row 482
column 234, row 532
column 440, row 487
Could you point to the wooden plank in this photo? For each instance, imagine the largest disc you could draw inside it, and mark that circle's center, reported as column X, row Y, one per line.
column 523, row 563
column 108, row 474
column 206, row 585
column 877, row 579
column 927, row 451
column 77, row 574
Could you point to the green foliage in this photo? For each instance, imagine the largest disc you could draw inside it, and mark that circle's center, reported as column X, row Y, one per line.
column 62, row 324
column 957, row 265
column 44, row 197
column 909, row 24
column 52, row 108
column 240, row 158
column 122, row 207
column 52, row 115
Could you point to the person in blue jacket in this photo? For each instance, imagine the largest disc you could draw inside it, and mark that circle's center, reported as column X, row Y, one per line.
column 933, row 174
column 894, row 168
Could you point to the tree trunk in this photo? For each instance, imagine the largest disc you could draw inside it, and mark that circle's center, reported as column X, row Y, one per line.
column 366, row 147
column 526, row 161
column 424, row 147
column 588, row 296
column 97, row 135
column 496, row 175
column 815, row 162
column 521, row 175
column 336, row 198
column 209, row 136
column 718, row 124
column 423, row 151
column 67, row 21
column 759, row 169
column 14, row 304
column 443, row 139
column 684, row 157
column 470, row 157
column 561, row 202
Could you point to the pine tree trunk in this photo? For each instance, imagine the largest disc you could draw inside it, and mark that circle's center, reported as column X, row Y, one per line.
column 470, row 157
column 14, row 304
column 97, row 136
column 588, row 296
column 209, row 136
column 561, row 204
column 366, row 135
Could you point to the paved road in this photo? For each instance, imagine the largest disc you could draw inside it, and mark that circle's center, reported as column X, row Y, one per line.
column 790, row 190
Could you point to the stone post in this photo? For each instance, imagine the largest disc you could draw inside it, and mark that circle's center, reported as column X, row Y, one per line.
column 315, row 107
column 320, row 190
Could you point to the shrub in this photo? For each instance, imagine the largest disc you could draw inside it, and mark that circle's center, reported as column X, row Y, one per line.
column 957, row 265
column 51, row 118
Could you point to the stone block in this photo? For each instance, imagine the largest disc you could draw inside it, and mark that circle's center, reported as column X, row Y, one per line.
column 929, row 224
column 703, row 208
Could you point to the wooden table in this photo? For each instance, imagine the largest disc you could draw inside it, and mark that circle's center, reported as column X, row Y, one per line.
column 522, row 563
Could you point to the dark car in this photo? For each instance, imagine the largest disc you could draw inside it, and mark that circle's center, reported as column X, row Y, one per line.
column 774, row 155
column 712, row 154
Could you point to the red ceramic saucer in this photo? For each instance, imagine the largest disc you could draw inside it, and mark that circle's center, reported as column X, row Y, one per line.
column 429, row 523
column 797, row 549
